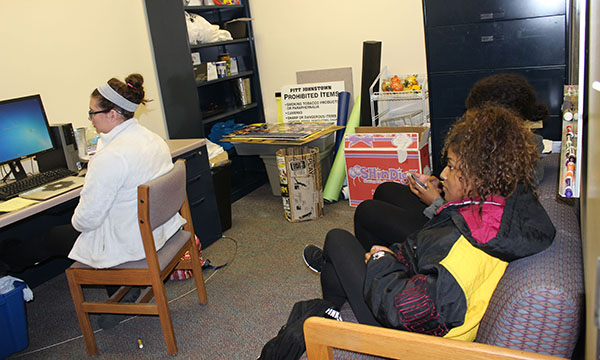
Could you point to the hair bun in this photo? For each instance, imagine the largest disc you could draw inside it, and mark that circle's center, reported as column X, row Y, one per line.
column 135, row 80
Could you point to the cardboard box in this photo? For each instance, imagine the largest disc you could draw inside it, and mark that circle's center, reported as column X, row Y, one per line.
column 379, row 154
column 301, row 185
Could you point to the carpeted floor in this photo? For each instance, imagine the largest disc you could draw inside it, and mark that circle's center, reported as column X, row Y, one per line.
column 249, row 299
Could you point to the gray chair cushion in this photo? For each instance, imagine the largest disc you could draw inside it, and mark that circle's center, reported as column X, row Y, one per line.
column 165, row 254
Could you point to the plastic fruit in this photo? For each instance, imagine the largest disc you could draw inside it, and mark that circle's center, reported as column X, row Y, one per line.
column 397, row 86
column 386, row 85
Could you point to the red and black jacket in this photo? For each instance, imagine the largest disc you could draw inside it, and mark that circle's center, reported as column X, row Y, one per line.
column 443, row 276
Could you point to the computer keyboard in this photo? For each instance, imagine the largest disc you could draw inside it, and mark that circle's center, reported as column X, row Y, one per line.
column 13, row 189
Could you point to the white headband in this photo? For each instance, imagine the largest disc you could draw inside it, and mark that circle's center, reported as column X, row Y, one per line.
column 114, row 97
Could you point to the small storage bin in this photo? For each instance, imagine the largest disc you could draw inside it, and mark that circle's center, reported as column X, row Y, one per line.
column 238, row 28
column 325, row 156
column 13, row 321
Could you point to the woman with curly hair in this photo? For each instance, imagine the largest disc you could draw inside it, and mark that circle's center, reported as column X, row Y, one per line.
column 440, row 279
column 416, row 205
column 509, row 90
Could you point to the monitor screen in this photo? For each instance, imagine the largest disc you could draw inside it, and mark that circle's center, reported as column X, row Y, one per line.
column 24, row 129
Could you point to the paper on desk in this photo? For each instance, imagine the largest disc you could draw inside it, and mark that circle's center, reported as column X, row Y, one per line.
column 15, row 204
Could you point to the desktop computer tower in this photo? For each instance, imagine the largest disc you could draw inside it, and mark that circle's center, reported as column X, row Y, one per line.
column 65, row 153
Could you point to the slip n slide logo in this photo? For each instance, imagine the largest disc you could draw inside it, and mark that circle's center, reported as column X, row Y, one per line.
column 376, row 172
column 375, row 175
column 375, row 158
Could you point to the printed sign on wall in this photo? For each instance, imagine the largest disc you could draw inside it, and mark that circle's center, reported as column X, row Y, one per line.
column 311, row 102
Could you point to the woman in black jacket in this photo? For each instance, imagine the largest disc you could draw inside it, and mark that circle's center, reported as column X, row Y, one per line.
column 414, row 205
column 440, row 279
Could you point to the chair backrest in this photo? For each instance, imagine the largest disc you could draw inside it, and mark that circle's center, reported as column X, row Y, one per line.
column 158, row 201
column 166, row 194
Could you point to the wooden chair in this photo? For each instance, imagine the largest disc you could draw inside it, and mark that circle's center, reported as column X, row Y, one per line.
column 158, row 201
column 322, row 335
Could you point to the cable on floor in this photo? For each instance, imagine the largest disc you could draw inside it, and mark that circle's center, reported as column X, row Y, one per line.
column 216, row 270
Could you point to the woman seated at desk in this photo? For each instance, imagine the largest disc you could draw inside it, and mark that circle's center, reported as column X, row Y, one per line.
column 104, row 231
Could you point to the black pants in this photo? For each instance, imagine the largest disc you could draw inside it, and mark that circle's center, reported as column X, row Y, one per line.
column 343, row 274
column 392, row 214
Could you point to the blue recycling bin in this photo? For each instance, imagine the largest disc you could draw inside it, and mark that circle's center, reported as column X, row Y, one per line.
column 13, row 323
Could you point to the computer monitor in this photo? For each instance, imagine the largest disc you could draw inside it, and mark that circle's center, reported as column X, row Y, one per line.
column 24, row 131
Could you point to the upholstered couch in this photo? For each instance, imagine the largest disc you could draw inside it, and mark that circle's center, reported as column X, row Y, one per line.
column 537, row 306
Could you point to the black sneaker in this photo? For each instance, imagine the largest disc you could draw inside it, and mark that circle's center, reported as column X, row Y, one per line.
column 313, row 258
column 334, row 314
column 109, row 321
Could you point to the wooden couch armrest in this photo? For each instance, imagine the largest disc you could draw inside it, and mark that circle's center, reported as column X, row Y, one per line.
column 322, row 335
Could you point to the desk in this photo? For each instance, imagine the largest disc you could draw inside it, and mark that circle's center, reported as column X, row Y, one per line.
column 180, row 148
column 12, row 217
column 39, row 217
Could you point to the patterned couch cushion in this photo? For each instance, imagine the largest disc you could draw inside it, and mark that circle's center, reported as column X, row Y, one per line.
column 538, row 304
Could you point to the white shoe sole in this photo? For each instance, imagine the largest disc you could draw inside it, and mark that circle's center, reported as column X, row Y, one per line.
column 308, row 265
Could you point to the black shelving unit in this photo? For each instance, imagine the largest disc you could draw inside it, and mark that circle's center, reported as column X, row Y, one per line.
column 193, row 107
column 176, row 77
column 220, row 92
column 467, row 40
column 247, row 173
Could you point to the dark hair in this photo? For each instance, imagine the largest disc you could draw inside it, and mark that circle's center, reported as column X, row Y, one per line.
column 132, row 89
column 509, row 90
column 494, row 150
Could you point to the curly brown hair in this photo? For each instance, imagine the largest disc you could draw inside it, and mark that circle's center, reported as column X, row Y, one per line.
column 510, row 90
column 495, row 151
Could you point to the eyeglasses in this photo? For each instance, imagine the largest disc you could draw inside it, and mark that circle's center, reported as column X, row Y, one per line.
column 92, row 113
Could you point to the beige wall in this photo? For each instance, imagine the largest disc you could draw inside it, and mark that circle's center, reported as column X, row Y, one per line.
column 63, row 49
column 293, row 36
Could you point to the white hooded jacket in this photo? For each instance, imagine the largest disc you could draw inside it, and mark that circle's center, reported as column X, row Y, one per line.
column 128, row 156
